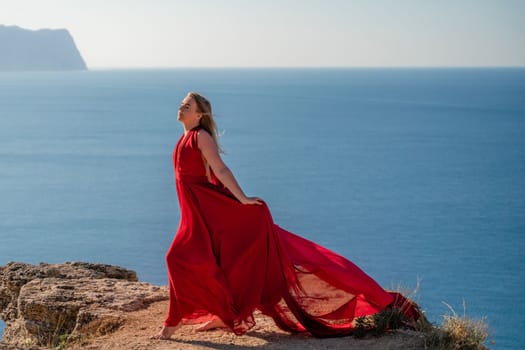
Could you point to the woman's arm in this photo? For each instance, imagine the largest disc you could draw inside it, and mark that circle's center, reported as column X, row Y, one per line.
column 211, row 154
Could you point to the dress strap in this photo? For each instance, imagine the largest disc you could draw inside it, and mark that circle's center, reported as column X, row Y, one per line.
column 180, row 144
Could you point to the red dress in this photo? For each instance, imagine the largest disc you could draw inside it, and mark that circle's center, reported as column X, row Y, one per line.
column 229, row 259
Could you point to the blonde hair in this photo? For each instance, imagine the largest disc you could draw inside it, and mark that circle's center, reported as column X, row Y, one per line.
column 206, row 122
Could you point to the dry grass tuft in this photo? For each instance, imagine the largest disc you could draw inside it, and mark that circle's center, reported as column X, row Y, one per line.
column 458, row 333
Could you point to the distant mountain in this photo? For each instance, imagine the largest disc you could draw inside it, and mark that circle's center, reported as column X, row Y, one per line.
column 44, row 49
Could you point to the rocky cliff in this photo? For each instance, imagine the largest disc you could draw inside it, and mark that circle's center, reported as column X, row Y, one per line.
column 44, row 49
column 79, row 306
column 42, row 304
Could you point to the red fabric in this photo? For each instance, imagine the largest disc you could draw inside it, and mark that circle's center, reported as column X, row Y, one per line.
column 229, row 259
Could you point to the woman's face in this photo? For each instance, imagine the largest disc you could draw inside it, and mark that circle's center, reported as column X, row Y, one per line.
column 188, row 110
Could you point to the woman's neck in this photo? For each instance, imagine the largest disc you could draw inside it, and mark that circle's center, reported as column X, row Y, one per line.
column 188, row 127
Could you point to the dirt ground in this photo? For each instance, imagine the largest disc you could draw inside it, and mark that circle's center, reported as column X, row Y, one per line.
column 140, row 325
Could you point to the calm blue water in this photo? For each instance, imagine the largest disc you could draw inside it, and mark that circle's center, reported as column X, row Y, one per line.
column 413, row 174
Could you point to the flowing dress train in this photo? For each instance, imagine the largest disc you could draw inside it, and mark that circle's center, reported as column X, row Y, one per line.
column 228, row 259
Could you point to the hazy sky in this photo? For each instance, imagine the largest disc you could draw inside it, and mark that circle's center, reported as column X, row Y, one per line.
column 251, row 33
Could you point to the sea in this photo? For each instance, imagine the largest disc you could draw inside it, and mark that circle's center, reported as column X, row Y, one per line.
column 417, row 175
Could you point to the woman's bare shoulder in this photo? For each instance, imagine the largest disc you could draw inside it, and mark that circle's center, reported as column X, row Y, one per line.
column 204, row 139
column 203, row 133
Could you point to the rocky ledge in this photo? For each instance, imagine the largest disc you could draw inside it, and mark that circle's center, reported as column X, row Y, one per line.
column 41, row 304
column 79, row 305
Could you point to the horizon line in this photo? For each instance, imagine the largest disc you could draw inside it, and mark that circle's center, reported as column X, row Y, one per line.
column 298, row 67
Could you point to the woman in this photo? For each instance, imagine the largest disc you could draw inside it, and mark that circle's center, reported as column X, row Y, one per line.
column 228, row 258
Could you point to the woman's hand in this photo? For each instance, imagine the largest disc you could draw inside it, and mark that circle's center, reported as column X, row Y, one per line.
column 251, row 200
